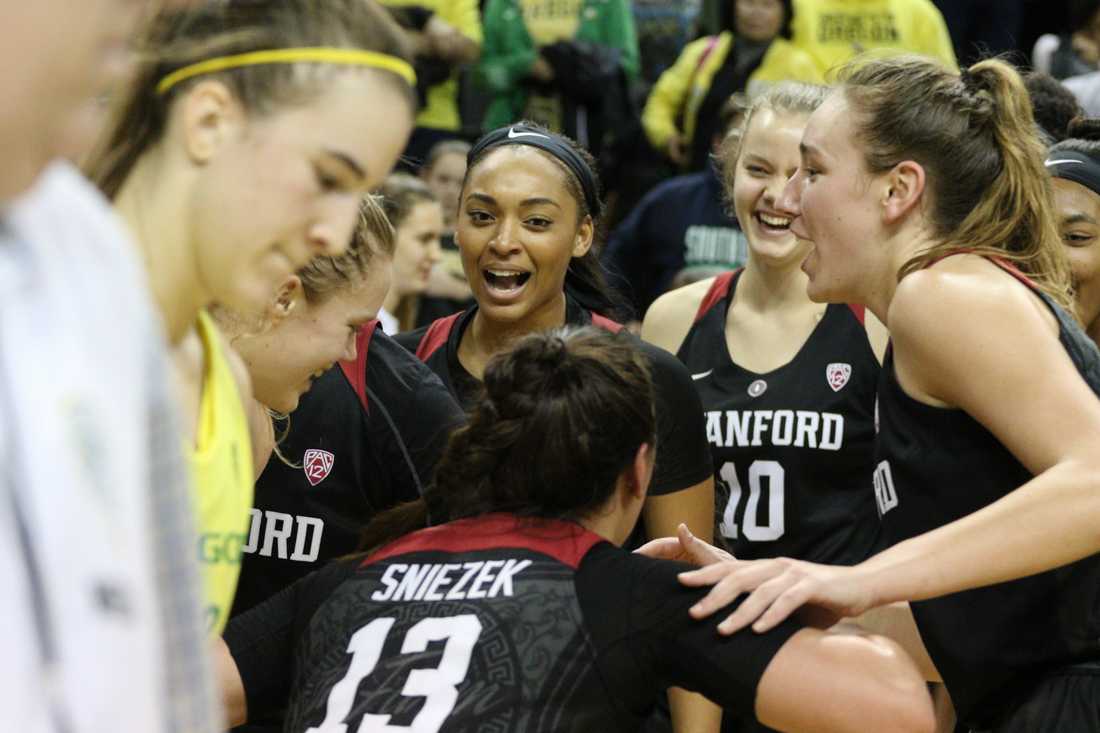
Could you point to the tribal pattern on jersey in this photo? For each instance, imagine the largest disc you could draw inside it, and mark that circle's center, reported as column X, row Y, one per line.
column 437, row 635
column 792, row 448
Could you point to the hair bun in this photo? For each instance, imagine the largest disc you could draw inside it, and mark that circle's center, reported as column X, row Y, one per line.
column 1084, row 128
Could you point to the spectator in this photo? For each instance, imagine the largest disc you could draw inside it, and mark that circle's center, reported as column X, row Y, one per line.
column 1052, row 103
column 664, row 28
column 448, row 291
column 417, row 220
column 1076, row 51
column 711, row 69
column 833, row 31
column 446, row 35
column 563, row 65
column 680, row 228
column 982, row 28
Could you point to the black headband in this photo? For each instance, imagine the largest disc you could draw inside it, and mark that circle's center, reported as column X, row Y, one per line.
column 551, row 143
column 1076, row 167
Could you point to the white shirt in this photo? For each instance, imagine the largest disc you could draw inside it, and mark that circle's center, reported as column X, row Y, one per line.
column 89, row 450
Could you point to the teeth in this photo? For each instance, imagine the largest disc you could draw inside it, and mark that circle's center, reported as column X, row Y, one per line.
column 775, row 221
column 504, row 273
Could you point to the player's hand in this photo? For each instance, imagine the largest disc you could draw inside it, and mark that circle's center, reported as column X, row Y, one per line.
column 778, row 588
column 684, row 547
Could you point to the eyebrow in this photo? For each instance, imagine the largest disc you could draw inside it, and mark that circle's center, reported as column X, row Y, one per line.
column 526, row 202
column 348, row 162
column 1078, row 218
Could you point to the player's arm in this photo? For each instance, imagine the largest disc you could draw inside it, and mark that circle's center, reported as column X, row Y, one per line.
column 230, row 686
column 1004, row 365
column 791, row 678
column 671, row 316
column 840, row 682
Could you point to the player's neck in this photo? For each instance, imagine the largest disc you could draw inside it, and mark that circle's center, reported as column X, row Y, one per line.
column 768, row 287
column 487, row 336
column 156, row 220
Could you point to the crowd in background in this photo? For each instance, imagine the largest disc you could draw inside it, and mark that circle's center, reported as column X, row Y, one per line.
column 642, row 85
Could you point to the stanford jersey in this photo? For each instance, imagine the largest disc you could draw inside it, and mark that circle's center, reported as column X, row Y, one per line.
column 491, row 624
column 682, row 459
column 792, row 448
column 365, row 438
column 992, row 645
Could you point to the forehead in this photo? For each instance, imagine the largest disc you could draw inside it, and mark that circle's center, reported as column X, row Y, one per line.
column 774, row 133
column 518, row 170
column 830, row 128
column 450, row 164
column 1073, row 198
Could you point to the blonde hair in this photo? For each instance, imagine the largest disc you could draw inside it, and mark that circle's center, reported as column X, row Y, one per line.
column 974, row 134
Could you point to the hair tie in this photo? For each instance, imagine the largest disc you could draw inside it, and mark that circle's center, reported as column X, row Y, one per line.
column 338, row 56
column 555, row 145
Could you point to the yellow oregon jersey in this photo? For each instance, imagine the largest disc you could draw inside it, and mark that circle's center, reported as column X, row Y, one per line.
column 221, row 468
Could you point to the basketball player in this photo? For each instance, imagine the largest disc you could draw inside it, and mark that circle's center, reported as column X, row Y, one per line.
column 1075, row 165
column 924, row 195
column 366, row 435
column 231, row 182
column 526, row 229
column 522, row 613
column 787, row 384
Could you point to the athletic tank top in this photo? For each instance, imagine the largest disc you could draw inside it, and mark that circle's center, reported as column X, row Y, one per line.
column 792, row 448
column 936, row 465
column 221, row 467
column 492, row 623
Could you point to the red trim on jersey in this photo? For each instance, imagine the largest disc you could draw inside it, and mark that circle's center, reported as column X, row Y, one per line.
column 1000, row 262
column 606, row 323
column 356, row 371
column 436, row 335
column 719, row 289
column 860, row 313
column 564, row 541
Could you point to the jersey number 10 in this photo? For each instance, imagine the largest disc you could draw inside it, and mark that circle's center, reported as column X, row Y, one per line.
column 439, row 685
column 753, row 531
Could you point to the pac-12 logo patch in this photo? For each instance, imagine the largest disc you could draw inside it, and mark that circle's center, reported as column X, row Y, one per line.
column 837, row 375
column 317, row 465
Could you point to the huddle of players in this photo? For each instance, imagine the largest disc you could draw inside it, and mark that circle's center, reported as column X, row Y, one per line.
column 517, row 609
column 790, row 395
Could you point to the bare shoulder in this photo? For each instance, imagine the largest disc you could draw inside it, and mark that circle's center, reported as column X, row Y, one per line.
column 958, row 295
column 961, row 318
column 671, row 316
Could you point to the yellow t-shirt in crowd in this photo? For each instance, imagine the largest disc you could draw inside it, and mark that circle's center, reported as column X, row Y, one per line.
column 441, row 110
column 833, row 31
column 221, row 470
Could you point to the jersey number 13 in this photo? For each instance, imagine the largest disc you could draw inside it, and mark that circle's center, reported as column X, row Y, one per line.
column 439, row 685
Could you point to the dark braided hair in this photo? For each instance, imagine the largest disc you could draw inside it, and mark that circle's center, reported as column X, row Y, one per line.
column 561, row 417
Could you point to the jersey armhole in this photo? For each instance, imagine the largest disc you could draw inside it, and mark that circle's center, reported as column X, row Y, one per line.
column 436, row 335
column 719, row 289
column 356, row 371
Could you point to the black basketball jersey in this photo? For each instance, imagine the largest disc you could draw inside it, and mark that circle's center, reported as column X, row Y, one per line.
column 364, row 438
column 682, row 457
column 936, row 465
column 495, row 623
column 792, row 448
